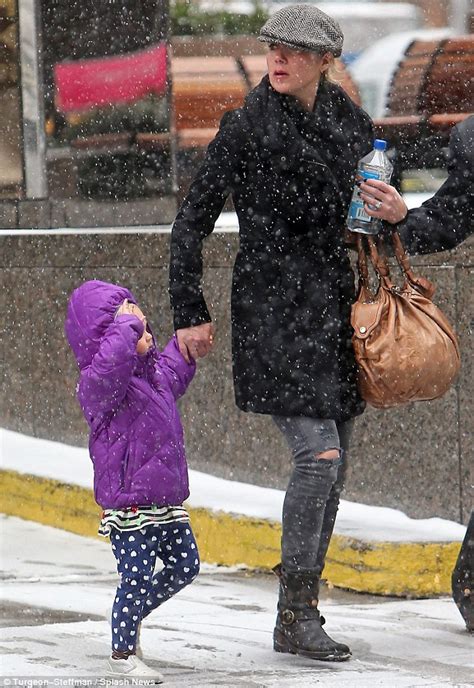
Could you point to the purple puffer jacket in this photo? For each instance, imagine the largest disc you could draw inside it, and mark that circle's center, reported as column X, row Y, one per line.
column 136, row 439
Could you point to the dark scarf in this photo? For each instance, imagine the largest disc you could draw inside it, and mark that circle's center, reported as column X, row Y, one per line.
column 309, row 158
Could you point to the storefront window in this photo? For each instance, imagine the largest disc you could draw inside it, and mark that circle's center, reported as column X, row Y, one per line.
column 106, row 109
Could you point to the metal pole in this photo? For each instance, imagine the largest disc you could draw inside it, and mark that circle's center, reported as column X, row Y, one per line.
column 34, row 140
column 169, row 95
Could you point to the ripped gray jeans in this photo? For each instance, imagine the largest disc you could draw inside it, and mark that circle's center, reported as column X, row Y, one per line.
column 314, row 489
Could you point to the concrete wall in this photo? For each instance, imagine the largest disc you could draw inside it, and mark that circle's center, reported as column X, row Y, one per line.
column 80, row 212
column 418, row 458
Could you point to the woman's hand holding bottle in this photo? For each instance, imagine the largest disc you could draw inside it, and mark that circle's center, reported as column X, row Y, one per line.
column 382, row 201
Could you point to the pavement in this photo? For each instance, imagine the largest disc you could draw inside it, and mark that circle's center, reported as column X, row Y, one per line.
column 57, row 586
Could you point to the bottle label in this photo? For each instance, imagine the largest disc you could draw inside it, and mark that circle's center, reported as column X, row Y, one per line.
column 356, row 208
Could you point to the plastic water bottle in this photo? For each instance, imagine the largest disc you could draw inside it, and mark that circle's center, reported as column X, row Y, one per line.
column 374, row 165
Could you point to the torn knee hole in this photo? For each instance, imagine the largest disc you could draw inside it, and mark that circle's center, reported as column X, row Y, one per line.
column 330, row 454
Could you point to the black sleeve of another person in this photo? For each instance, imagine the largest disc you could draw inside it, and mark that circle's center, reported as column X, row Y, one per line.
column 446, row 219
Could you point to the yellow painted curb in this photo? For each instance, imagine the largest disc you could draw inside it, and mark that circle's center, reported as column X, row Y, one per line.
column 403, row 569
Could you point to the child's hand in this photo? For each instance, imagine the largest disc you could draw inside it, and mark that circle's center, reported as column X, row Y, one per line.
column 146, row 340
column 125, row 308
column 128, row 308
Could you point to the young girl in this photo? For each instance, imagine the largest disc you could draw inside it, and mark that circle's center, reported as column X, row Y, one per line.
column 128, row 391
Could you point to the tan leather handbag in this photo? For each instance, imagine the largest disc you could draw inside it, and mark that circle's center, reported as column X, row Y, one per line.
column 405, row 348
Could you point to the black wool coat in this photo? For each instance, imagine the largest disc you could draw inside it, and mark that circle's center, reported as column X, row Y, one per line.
column 290, row 173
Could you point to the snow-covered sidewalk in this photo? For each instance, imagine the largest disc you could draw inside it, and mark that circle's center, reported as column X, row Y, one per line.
column 217, row 632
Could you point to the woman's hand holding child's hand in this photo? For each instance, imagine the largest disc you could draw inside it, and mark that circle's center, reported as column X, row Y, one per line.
column 195, row 342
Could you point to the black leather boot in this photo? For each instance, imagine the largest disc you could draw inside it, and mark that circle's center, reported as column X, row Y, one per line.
column 298, row 628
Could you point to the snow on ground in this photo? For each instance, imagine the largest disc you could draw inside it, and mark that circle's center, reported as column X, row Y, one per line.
column 217, row 632
column 72, row 465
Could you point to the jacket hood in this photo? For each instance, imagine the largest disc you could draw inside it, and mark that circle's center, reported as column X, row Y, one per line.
column 91, row 310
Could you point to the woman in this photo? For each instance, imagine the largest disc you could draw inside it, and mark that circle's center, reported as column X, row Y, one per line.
column 288, row 158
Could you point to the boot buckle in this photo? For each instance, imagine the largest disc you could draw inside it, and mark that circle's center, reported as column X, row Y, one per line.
column 287, row 617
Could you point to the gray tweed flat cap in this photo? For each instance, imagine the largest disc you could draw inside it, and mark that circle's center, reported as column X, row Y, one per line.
column 304, row 27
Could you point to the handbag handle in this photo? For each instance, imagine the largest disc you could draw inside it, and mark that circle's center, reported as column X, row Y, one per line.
column 423, row 285
column 362, row 267
column 378, row 260
column 380, row 264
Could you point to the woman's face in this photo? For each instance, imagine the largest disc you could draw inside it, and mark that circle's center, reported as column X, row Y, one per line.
column 296, row 72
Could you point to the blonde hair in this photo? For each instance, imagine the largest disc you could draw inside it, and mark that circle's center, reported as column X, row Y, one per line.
column 331, row 73
column 334, row 73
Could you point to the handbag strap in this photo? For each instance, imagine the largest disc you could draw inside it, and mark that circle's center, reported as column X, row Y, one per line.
column 422, row 284
column 362, row 267
column 401, row 254
column 378, row 259
column 380, row 264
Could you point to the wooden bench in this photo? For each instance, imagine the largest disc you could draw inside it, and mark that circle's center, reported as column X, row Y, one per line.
column 434, row 77
column 203, row 89
column 253, row 67
column 431, row 91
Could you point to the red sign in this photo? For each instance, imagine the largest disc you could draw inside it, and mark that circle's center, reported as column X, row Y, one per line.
column 85, row 84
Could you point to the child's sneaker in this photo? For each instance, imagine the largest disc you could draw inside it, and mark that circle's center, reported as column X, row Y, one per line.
column 132, row 667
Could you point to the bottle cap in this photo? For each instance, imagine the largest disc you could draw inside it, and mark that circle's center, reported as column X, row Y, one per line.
column 380, row 144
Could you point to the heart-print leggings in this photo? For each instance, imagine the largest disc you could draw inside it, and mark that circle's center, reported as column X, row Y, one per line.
column 141, row 589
